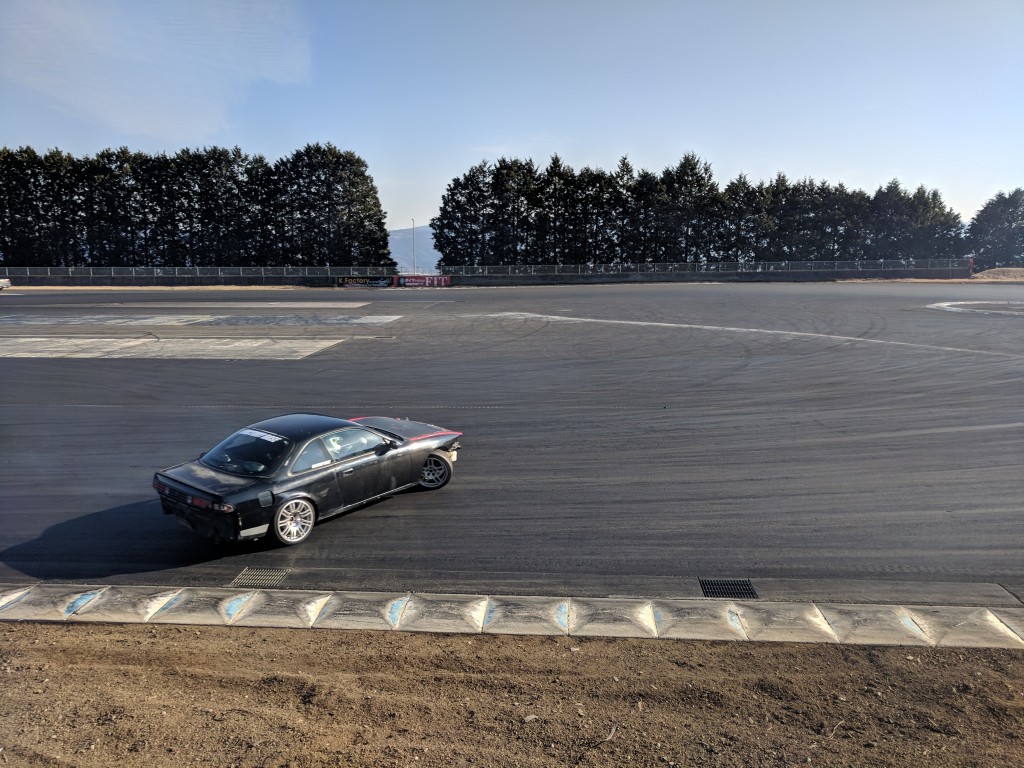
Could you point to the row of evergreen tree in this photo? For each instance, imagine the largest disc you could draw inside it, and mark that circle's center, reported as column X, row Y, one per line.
column 510, row 213
column 209, row 207
column 319, row 206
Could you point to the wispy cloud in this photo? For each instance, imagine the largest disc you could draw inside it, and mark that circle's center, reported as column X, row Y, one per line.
column 526, row 147
column 169, row 69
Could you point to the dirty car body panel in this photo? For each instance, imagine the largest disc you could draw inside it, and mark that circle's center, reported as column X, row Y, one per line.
column 281, row 476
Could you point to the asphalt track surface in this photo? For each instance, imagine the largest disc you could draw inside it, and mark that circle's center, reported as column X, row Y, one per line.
column 619, row 440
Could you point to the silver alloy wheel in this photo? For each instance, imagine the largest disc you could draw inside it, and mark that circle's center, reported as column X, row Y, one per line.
column 436, row 472
column 293, row 521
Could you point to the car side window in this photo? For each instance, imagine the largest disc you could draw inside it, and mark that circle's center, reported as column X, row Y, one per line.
column 347, row 443
column 313, row 455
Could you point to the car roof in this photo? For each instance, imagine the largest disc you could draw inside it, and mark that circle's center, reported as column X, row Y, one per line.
column 301, row 426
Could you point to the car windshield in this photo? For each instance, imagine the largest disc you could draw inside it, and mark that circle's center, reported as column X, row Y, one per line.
column 249, row 452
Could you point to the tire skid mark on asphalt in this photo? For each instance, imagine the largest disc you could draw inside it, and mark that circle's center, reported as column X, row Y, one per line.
column 924, row 432
column 756, row 331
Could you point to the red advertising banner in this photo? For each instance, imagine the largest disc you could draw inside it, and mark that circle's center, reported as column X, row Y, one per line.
column 397, row 281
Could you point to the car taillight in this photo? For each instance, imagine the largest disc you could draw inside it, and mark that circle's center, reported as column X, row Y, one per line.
column 158, row 486
column 200, row 503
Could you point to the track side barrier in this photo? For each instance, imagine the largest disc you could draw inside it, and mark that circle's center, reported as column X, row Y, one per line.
column 519, row 274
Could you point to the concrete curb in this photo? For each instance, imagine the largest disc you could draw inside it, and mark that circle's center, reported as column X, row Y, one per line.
column 678, row 619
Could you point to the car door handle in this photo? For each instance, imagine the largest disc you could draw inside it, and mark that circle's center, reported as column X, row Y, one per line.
column 348, row 472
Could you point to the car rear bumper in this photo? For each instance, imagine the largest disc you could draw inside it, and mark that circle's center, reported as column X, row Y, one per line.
column 213, row 525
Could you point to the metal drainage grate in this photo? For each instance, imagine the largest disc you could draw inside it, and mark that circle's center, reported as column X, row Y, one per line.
column 734, row 589
column 260, row 577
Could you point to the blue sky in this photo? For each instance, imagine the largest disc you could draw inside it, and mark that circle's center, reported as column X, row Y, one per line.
column 927, row 91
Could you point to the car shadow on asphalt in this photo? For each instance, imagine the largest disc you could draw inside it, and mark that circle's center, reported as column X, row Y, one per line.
column 129, row 539
column 137, row 539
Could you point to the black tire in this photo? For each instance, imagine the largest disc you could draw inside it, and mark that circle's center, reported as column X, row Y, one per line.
column 293, row 522
column 436, row 472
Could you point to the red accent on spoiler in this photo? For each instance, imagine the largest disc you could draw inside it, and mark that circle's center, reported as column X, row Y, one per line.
column 434, row 434
column 419, row 437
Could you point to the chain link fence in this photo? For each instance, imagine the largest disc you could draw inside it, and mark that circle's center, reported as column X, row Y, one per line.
column 154, row 272
column 171, row 276
column 319, row 276
column 886, row 265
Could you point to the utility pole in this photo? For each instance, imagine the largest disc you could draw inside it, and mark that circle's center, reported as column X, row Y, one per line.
column 414, row 247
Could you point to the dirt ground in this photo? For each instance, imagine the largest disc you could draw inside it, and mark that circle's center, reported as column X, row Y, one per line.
column 1000, row 273
column 145, row 695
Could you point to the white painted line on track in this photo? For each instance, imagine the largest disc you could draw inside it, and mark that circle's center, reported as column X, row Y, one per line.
column 242, row 320
column 756, row 331
column 1015, row 308
column 106, row 319
column 163, row 320
column 150, row 348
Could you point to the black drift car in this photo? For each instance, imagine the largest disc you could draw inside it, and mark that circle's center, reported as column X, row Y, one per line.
column 283, row 475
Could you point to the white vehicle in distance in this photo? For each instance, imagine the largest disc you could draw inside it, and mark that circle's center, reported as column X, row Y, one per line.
column 5, row 282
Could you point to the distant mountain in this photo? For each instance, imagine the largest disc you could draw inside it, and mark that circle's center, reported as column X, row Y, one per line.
column 402, row 241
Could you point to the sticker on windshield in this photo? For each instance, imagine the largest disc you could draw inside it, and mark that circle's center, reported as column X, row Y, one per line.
column 261, row 435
